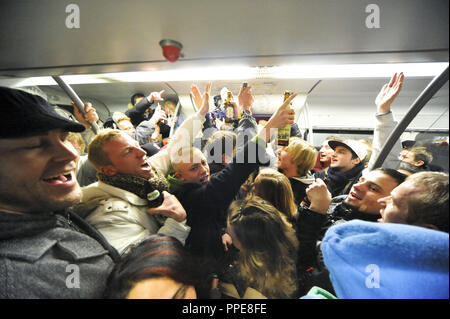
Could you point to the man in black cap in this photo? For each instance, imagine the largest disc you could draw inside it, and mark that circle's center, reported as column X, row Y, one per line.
column 46, row 251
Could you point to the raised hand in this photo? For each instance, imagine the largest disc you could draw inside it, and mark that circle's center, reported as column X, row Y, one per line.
column 279, row 119
column 196, row 96
column 319, row 196
column 155, row 96
column 201, row 101
column 283, row 115
column 388, row 93
column 158, row 115
column 245, row 98
column 90, row 115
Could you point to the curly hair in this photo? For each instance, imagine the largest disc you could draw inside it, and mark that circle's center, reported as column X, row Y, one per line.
column 268, row 256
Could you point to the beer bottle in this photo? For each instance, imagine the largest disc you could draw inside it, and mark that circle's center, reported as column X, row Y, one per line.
column 229, row 109
column 155, row 198
column 284, row 133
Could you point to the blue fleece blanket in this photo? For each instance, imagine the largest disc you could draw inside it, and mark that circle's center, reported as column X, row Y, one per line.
column 386, row 261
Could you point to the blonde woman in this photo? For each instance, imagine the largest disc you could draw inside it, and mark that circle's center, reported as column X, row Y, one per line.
column 296, row 161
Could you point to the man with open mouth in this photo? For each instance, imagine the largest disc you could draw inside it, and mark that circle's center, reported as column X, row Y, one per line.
column 130, row 201
column 47, row 250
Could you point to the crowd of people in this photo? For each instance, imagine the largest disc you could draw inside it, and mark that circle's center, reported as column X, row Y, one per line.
column 212, row 211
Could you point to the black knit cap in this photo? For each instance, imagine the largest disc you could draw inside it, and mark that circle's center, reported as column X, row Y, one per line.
column 27, row 115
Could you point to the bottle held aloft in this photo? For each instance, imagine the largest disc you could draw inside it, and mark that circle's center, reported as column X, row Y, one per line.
column 284, row 133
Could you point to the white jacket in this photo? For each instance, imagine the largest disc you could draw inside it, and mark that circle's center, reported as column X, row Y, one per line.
column 122, row 219
column 183, row 137
column 384, row 125
column 121, row 215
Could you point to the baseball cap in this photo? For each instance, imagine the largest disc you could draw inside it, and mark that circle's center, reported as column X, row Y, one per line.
column 354, row 146
column 26, row 114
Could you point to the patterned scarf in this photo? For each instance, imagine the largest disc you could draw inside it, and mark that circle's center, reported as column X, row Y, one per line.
column 137, row 185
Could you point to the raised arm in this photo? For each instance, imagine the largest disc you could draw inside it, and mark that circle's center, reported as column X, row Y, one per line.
column 136, row 114
column 388, row 93
column 247, row 126
column 186, row 133
column 385, row 123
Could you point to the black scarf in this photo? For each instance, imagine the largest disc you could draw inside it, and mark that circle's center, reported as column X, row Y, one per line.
column 337, row 180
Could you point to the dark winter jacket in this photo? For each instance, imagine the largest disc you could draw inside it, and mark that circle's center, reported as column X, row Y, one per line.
column 311, row 228
column 206, row 205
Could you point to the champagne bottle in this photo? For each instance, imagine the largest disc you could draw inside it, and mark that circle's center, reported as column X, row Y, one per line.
column 284, row 133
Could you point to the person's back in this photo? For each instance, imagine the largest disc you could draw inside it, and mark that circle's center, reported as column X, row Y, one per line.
column 46, row 251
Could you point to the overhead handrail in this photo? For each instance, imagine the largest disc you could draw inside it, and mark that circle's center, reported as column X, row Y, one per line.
column 74, row 97
column 174, row 120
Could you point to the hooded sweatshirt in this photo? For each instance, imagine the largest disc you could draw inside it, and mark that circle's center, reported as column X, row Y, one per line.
column 387, row 261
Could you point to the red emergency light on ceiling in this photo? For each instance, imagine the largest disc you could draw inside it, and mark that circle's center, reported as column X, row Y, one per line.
column 171, row 49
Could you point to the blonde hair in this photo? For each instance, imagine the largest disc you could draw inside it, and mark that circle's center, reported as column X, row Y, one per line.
column 369, row 148
column 96, row 155
column 304, row 155
column 76, row 139
column 268, row 257
column 125, row 118
column 275, row 188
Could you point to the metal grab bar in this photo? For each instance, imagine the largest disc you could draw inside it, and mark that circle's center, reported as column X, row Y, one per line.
column 79, row 104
